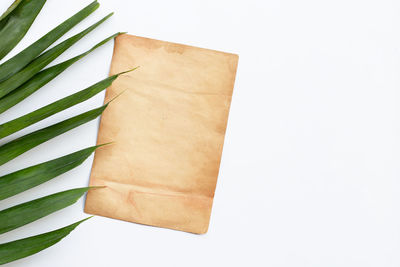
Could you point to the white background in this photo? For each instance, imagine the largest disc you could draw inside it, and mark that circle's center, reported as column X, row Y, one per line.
column 310, row 174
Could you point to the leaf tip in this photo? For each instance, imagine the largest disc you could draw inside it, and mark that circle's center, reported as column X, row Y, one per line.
column 97, row 187
column 105, row 144
column 127, row 71
column 115, row 97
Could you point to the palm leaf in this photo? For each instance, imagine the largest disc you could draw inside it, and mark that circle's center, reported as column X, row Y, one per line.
column 21, row 76
column 22, row 180
column 25, row 143
column 16, row 63
column 42, row 61
column 42, row 78
column 22, row 248
column 16, row 21
column 31, row 211
column 40, row 114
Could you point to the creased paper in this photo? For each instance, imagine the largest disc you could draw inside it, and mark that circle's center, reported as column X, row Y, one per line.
column 168, row 130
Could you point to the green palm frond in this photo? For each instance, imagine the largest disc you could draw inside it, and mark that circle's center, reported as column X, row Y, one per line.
column 21, row 76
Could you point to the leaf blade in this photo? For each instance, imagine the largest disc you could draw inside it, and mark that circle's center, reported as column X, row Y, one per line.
column 22, row 248
column 43, row 60
column 42, row 78
column 26, row 120
column 15, row 23
column 25, row 213
column 19, row 181
column 19, row 61
column 25, row 143
column 9, row 10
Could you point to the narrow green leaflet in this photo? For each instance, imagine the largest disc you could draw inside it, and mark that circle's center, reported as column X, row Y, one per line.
column 43, row 60
column 15, row 23
column 31, row 211
column 20, row 145
column 42, row 78
column 40, row 114
column 28, row 246
column 18, row 62
column 8, row 11
column 21, row 76
column 22, row 180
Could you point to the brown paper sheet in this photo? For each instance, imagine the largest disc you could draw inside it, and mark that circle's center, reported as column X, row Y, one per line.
column 168, row 128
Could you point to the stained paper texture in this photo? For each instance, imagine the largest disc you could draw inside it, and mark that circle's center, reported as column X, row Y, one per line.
column 168, row 130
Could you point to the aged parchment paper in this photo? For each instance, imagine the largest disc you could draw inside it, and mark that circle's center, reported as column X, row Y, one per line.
column 168, row 128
